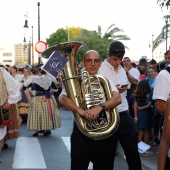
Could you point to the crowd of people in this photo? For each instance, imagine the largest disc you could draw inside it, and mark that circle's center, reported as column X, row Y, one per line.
column 30, row 95
column 141, row 99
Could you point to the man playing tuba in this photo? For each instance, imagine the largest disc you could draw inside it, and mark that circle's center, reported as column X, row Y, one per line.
column 83, row 148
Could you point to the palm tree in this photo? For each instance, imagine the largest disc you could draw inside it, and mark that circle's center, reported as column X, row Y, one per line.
column 112, row 34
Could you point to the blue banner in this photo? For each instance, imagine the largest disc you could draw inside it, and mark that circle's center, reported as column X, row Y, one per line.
column 55, row 64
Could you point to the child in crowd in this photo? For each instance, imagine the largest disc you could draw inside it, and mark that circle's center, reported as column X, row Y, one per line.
column 142, row 71
column 142, row 110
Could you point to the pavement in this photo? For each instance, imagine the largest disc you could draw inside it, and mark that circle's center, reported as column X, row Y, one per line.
column 148, row 162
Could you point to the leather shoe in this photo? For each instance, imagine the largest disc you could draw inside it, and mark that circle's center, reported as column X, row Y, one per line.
column 45, row 133
column 35, row 134
column 5, row 146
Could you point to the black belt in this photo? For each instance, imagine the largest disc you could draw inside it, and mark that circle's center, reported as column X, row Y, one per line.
column 126, row 111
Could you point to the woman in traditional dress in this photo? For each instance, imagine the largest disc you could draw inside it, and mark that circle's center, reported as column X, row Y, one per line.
column 43, row 114
column 22, row 105
column 10, row 94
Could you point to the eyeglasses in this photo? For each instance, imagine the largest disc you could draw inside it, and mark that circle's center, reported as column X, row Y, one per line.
column 90, row 61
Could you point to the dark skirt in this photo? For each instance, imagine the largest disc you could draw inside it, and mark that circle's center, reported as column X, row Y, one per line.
column 145, row 119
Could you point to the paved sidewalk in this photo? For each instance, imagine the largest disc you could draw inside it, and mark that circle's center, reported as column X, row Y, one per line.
column 148, row 162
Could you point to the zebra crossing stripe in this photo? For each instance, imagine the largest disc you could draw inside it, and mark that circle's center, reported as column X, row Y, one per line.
column 66, row 141
column 28, row 154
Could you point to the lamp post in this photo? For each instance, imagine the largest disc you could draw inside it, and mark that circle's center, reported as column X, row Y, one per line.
column 27, row 45
column 29, row 52
column 165, row 30
column 39, row 56
column 32, row 48
column 166, row 22
column 30, row 45
column 152, row 45
column 68, row 33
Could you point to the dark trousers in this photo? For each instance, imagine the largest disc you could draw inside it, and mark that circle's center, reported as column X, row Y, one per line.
column 84, row 150
column 102, row 152
column 167, row 164
column 128, row 137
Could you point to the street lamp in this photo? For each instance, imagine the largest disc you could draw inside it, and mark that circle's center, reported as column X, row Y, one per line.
column 39, row 56
column 30, row 44
column 68, row 33
column 165, row 30
column 166, row 22
column 32, row 48
column 38, row 4
column 152, row 45
column 27, row 45
column 29, row 52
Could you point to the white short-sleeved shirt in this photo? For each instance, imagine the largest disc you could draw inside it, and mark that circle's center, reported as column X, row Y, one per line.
column 135, row 73
column 107, row 70
column 162, row 86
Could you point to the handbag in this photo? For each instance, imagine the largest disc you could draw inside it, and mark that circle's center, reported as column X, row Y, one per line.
column 4, row 117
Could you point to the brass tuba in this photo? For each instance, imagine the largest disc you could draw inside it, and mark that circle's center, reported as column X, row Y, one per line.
column 86, row 91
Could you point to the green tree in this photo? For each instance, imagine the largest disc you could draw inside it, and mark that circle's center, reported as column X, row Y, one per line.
column 74, row 32
column 61, row 35
column 91, row 40
column 57, row 37
column 164, row 3
column 113, row 33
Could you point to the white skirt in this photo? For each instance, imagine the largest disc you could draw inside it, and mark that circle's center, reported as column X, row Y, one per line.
column 2, row 132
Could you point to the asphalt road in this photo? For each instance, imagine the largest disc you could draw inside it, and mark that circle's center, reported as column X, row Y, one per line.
column 51, row 152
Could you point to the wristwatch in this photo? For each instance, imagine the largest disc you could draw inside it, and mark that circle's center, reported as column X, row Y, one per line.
column 103, row 106
column 127, row 73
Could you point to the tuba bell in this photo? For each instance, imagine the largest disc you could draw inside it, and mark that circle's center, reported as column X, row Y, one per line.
column 86, row 91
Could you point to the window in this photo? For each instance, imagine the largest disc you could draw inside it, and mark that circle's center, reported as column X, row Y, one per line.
column 7, row 54
column 7, row 61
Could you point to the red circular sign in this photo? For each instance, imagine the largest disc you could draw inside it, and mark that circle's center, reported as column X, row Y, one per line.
column 40, row 47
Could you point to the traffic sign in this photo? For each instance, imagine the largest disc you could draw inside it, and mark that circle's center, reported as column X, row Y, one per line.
column 40, row 47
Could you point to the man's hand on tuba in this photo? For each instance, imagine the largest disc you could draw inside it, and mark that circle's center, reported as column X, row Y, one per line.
column 93, row 113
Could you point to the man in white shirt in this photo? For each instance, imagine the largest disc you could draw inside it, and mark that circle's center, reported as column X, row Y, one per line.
column 10, row 94
column 127, row 134
column 132, row 73
column 160, row 94
column 83, row 148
